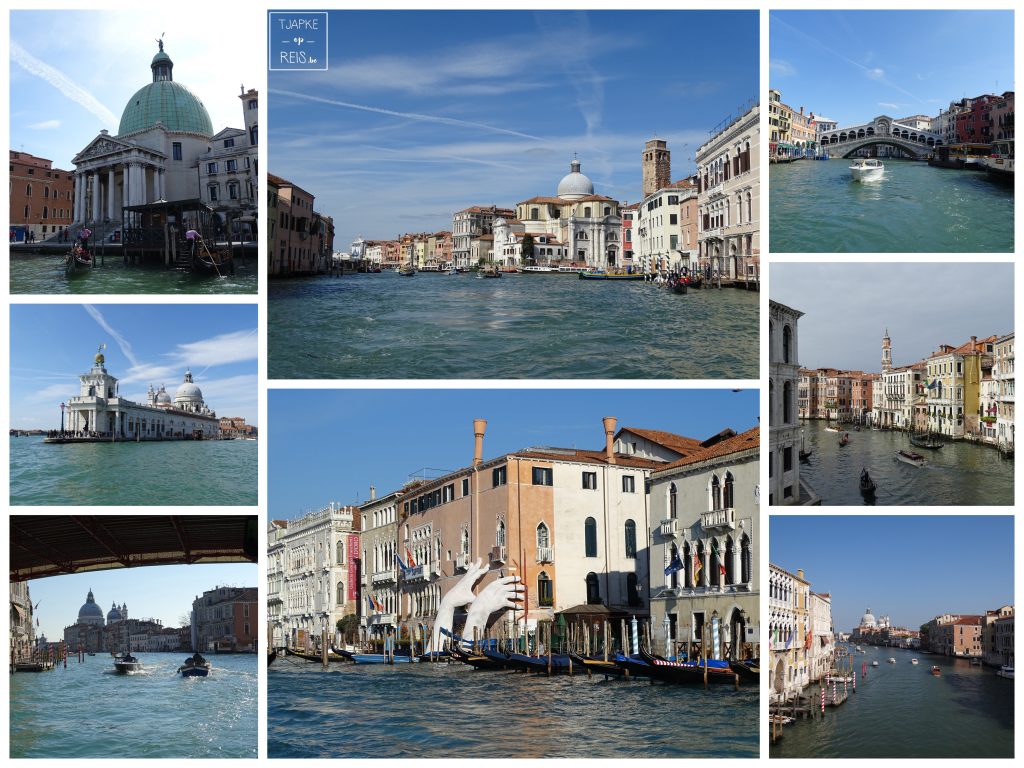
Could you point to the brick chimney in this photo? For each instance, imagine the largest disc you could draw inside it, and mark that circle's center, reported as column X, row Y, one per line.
column 609, row 438
column 800, row 574
column 479, row 427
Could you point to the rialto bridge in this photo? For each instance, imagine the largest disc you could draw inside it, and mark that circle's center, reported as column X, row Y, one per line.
column 881, row 130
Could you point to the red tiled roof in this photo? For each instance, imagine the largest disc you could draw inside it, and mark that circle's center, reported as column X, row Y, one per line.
column 587, row 457
column 551, row 200
column 742, row 442
column 674, row 442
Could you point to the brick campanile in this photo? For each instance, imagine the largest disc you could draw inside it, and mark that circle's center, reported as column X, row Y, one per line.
column 657, row 166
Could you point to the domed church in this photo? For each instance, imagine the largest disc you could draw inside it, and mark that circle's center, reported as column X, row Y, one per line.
column 165, row 133
column 90, row 613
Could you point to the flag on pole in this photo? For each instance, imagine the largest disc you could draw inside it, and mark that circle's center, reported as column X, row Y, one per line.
column 408, row 556
column 696, row 568
column 403, row 566
column 675, row 565
column 369, row 599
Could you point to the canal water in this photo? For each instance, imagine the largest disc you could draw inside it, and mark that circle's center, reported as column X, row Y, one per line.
column 902, row 711
column 187, row 472
column 816, row 207
column 959, row 473
column 44, row 273
column 520, row 326
column 454, row 711
column 87, row 711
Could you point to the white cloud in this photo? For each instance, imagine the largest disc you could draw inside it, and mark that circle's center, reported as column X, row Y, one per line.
column 781, row 68
column 889, row 105
column 45, row 125
column 225, row 349
column 62, row 83
column 875, row 74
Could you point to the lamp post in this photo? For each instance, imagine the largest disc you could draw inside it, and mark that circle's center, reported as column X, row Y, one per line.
column 62, row 407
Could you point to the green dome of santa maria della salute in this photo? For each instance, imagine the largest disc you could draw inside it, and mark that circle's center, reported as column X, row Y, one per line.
column 165, row 101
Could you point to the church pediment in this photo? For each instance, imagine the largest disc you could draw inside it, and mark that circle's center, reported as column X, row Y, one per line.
column 102, row 146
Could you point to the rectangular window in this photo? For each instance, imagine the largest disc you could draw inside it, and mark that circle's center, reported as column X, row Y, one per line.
column 213, row 193
column 465, row 486
column 542, row 475
column 211, row 167
column 499, row 476
column 231, row 165
column 228, row 143
column 787, row 458
column 673, row 218
column 787, row 492
column 628, row 484
column 590, row 481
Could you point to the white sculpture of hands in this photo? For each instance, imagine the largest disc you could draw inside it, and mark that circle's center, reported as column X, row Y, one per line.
column 459, row 595
column 500, row 594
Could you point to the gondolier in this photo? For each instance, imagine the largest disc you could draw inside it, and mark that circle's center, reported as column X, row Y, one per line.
column 193, row 238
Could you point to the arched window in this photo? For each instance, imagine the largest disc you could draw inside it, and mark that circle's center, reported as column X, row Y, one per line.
column 687, row 565
column 632, row 590
column 716, row 493
column 46, row 210
column 730, row 558
column 700, row 577
column 465, row 541
column 728, row 498
column 715, row 565
column 630, row 539
column 593, row 589
column 586, row 212
column 534, row 214
column 499, row 537
column 746, row 562
column 340, row 549
column 545, row 590
column 341, row 593
column 590, row 536
column 543, row 536
column 787, row 334
column 28, row 190
column 787, row 402
column 46, row 192
column 672, row 501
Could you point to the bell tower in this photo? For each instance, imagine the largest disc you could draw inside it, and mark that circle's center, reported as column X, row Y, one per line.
column 886, row 352
column 657, row 166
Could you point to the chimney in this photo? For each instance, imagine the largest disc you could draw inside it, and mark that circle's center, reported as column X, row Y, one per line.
column 609, row 438
column 800, row 574
column 479, row 427
column 373, row 493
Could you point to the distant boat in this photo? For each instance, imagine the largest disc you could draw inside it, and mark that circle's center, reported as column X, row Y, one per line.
column 844, row 440
column 874, row 663
column 195, row 666
column 925, row 441
column 975, row 661
column 832, row 429
column 380, row 658
column 892, row 660
column 867, row 169
column 407, row 270
column 1005, row 671
column 936, row 671
column 127, row 665
column 867, row 485
column 913, row 661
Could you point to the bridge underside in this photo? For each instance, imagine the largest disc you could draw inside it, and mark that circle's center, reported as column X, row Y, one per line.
column 49, row 545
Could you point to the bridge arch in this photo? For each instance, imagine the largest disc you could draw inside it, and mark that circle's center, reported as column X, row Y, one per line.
column 913, row 149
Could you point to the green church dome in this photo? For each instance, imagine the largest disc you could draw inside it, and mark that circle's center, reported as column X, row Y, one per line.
column 166, row 101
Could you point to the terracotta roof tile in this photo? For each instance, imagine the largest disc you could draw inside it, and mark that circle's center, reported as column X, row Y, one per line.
column 741, row 442
column 677, row 443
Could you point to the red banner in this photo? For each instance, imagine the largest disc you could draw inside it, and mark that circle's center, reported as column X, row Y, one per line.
column 353, row 567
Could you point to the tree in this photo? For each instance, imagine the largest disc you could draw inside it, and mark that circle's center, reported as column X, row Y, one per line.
column 348, row 625
column 527, row 247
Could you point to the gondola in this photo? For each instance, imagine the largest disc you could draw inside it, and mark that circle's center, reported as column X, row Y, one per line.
column 867, row 485
column 805, row 456
column 747, row 669
column 925, row 441
column 592, row 664
column 632, row 665
column 844, row 440
column 382, row 658
column 77, row 261
column 690, row 672
column 316, row 656
column 474, row 660
column 219, row 263
column 560, row 662
column 271, row 657
column 677, row 285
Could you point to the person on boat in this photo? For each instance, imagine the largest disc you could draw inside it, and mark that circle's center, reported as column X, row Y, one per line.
column 193, row 238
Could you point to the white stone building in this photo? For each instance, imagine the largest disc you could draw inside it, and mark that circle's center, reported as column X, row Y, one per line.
column 705, row 519
column 1002, row 374
column 229, row 171
column 785, row 486
column 378, row 540
column 822, row 650
column 789, row 670
column 312, row 576
column 728, row 180
column 100, row 411
column 658, row 239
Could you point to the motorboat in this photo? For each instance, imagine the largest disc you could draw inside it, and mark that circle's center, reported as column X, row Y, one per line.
column 909, row 457
column 195, row 666
column 867, row 169
column 833, row 429
column 127, row 665
column 874, row 663
column 1005, row 671
column 913, row 661
column 892, row 660
column 936, row 672
column 999, row 162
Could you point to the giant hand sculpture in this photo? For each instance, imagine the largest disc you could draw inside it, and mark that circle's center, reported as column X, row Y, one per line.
column 499, row 594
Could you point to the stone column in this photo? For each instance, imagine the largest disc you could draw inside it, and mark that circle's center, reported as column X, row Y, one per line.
column 124, row 186
column 76, row 204
column 96, row 208
column 134, row 196
column 111, row 189
column 162, row 186
column 704, row 572
column 737, row 562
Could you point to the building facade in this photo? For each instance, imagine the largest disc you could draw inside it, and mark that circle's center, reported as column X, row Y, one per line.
column 1003, row 375
column 41, row 197
column 789, row 605
column 378, row 541
column 226, row 619
column 663, row 245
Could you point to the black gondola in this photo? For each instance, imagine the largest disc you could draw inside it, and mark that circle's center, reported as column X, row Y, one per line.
column 925, row 441
column 271, row 656
column 474, row 660
column 77, row 261
column 747, row 669
column 805, row 455
column 867, row 485
column 689, row 673
column 592, row 664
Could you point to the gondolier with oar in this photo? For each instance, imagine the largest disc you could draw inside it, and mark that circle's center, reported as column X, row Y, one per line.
column 194, row 238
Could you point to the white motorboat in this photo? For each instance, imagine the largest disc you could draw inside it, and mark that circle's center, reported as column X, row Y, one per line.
column 892, row 660
column 1000, row 160
column 1005, row 671
column 909, row 457
column 867, row 169
column 874, row 663
column 913, row 661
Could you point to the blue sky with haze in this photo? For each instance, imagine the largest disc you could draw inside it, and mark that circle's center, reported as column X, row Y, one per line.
column 73, row 72
column 853, row 66
column 910, row 568
column 162, row 592
column 333, row 445
column 848, row 306
column 422, row 114
column 53, row 344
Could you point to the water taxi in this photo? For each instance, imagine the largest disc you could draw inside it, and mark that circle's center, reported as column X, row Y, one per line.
column 867, row 169
column 909, row 457
column 195, row 666
column 999, row 162
column 127, row 665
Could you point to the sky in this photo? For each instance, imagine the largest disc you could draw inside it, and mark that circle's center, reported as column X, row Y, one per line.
column 852, row 66
column 53, row 344
column 909, row 568
column 422, row 114
column 922, row 305
column 73, row 72
column 333, row 445
column 163, row 592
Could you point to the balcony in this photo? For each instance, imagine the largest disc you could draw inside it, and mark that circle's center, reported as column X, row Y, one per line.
column 379, row 619
column 545, row 555
column 417, row 573
column 383, row 577
column 462, row 561
column 718, row 519
column 498, row 554
column 669, row 528
column 708, row 234
column 717, row 190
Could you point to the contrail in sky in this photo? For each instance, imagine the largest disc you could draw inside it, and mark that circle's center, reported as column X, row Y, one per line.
column 62, row 83
column 122, row 342
column 409, row 115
